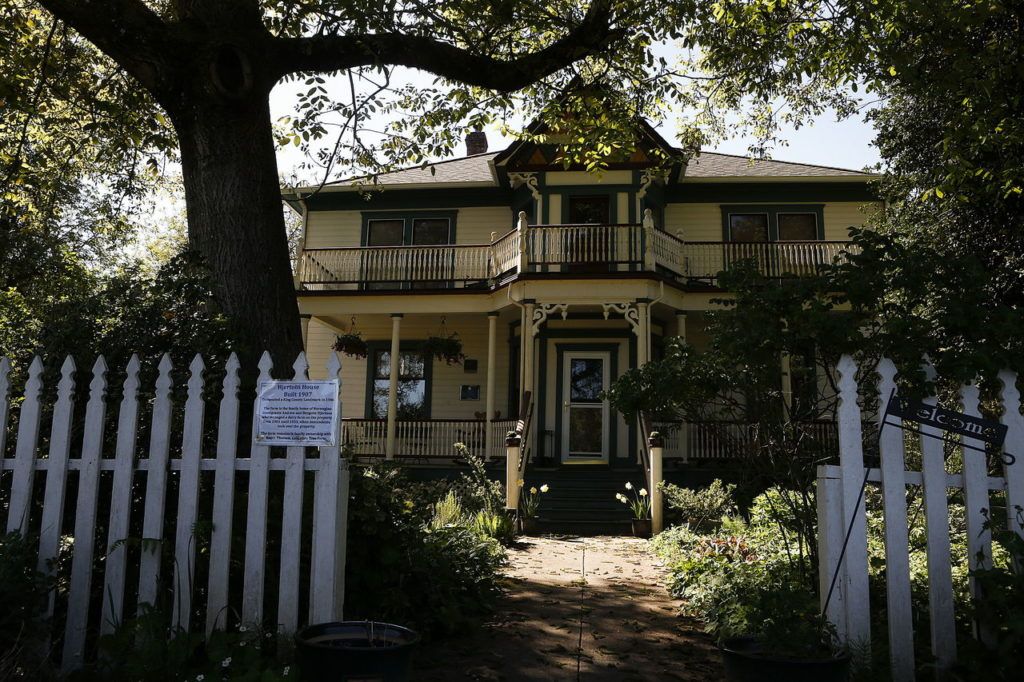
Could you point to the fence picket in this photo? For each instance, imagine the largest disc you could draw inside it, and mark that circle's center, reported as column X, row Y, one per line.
column 831, row 532
column 223, row 497
column 976, row 498
column 25, row 450
column 56, row 475
column 256, row 519
column 897, row 536
column 936, row 507
column 1014, row 473
column 85, row 520
column 291, row 524
column 156, row 487
column 330, row 524
column 5, row 396
column 188, row 497
column 121, row 501
column 852, row 466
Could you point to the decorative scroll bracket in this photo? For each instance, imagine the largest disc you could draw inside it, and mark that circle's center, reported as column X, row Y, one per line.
column 630, row 311
column 527, row 179
column 543, row 310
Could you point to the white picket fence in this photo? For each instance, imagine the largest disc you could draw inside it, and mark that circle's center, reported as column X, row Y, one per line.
column 838, row 492
column 326, row 577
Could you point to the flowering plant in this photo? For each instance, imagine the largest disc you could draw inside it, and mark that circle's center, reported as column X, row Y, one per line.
column 529, row 502
column 640, row 504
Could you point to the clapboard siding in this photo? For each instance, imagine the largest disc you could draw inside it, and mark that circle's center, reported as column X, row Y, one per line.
column 337, row 229
column 447, row 380
column 703, row 222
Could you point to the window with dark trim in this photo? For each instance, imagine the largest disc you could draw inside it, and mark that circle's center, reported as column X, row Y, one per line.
column 408, row 228
column 771, row 223
column 412, row 384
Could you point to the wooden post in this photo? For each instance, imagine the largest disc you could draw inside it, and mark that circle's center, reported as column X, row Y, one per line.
column 657, row 445
column 643, row 343
column 524, row 239
column 830, row 540
column 787, row 381
column 527, row 341
column 513, row 450
column 389, row 446
column 681, row 324
column 649, row 260
column 492, row 345
column 304, row 323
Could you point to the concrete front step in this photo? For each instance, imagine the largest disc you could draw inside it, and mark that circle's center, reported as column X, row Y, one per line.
column 581, row 499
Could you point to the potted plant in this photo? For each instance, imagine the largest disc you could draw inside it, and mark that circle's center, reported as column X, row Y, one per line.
column 355, row 650
column 793, row 646
column 351, row 344
column 529, row 505
column 640, row 505
column 444, row 347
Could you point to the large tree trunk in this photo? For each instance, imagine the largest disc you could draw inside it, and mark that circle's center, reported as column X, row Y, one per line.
column 235, row 218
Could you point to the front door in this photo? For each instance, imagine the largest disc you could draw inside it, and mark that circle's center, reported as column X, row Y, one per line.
column 585, row 415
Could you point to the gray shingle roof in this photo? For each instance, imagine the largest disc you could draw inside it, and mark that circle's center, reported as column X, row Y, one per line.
column 708, row 165
column 465, row 169
column 715, row 165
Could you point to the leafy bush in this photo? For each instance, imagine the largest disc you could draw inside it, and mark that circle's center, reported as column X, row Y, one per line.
column 147, row 648
column 405, row 566
column 23, row 594
column 702, row 509
column 476, row 490
column 497, row 526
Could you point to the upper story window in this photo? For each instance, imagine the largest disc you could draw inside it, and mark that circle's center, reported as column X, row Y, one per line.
column 420, row 228
column 773, row 223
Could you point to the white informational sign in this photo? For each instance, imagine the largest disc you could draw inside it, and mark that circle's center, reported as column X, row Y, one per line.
column 297, row 413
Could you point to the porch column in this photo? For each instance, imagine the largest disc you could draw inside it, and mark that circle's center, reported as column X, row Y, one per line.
column 527, row 343
column 657, row 445
column 787, row 381
column 681, row 324
column 492, row 346
column 396, row 324
column 304, row 325
column 643, row 344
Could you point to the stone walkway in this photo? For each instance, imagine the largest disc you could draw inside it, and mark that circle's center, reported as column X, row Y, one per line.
column 631, row 629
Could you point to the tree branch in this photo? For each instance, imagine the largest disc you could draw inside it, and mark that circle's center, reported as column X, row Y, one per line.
column 125, row 30
column 340, row 52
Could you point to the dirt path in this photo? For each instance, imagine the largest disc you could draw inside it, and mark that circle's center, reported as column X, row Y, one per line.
column 631, row 630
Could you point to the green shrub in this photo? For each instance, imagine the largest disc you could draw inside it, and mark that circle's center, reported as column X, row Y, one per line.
column 23, row 596
column 476, row 490
column 447, row 511
column 497, row 526
column 147, row 648
column 405, row 567
column 702, row 509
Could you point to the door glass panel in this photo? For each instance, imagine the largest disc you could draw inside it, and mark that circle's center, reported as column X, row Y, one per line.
column 586, row 432
column 385, row 232
column 798, row 227
column 586, row 380
column 430, row 231
column 748, row 227
column 590, row 210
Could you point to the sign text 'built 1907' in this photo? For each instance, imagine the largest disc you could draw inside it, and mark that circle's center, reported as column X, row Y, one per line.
column 297, row 413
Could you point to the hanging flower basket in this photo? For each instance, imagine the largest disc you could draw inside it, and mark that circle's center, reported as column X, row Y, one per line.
column 447, row 348
column 351, row 344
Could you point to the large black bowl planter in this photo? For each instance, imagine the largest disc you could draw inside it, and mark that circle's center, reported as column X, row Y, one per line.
column 355, row 651
column 746, row 661
column 641, row 528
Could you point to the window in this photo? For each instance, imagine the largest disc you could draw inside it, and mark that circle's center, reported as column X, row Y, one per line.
column 430, row 230
column 760, row 223
column 407, row 229
column 748, row 227
column 797, row 227
column 412, row 385
column 385, row 232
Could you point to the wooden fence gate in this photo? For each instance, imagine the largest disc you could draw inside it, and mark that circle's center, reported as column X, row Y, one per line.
column 171, row 460
column 841, row 509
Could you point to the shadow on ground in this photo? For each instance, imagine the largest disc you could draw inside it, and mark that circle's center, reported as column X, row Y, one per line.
column 631, row 627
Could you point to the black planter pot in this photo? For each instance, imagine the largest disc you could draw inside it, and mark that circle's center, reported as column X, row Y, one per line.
column 528, row 525
column 746, row 661
column 356, row 651
column 641, row 528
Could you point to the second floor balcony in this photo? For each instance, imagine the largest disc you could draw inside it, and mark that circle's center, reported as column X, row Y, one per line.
column 553, row 249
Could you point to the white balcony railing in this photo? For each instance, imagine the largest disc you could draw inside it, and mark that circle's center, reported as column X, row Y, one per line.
column 555, row 248
column 426, row 440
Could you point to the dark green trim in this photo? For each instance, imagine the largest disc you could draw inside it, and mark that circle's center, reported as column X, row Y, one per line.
column 715, row 192
column 613, row 373
column 407, row 217
column 371, row 359
column 404, row 199
column 773, row 211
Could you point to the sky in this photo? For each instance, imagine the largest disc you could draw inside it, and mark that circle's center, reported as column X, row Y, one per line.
column 828, row 142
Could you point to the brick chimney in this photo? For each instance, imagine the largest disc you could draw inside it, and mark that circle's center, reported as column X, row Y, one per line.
column 476, row 142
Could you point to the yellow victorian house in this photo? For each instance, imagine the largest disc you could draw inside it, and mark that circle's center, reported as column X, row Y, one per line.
column 555, row 282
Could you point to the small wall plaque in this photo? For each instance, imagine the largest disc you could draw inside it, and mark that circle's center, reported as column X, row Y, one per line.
column 470, row 392
column 470, row 365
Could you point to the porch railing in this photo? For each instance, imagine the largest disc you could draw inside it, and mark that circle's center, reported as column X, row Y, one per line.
column 555, row 248
column 427, row 439
column 717, row 440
